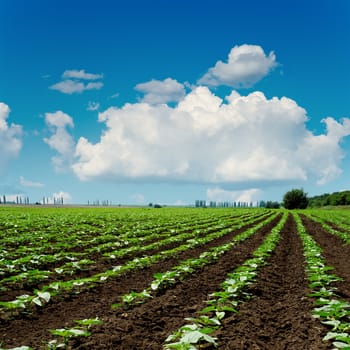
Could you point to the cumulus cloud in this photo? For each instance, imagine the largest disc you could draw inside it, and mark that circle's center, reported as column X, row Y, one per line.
column 246, row 65
column 81, row 74
column 28, row 183
column 10, row 138
column 324, row 149
column 60, row 140
column 72, row 86
column 161, row 91
column 247, row 140
column 74, row 81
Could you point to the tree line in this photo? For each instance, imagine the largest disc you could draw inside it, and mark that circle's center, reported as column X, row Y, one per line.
column 298, row 199
column 335, row 198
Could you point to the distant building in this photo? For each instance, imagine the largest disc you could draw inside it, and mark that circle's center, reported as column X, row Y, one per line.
column 200, row 203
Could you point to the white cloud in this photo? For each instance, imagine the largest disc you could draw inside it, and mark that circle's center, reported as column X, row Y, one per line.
column 28, row 183
column 71, row 86
column 10, row 138
column 60, row 140
column 161, row 91
column 247, row 140
column 246, row 65
column 80, row 74
column 93, row 106
column 73, row 81
column 324, row 151
column 220, row 195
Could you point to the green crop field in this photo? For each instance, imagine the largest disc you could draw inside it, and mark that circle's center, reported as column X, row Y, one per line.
column 174, row 278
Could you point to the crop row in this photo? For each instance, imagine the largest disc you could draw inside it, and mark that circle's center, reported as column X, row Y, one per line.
column 329, row 308
column 332, row 224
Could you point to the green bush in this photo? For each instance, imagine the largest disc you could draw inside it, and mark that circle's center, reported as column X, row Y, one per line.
column 295, row 199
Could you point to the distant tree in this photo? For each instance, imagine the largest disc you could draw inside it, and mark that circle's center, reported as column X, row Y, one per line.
column 295, row 199
column 272, row 205
column 262, row 204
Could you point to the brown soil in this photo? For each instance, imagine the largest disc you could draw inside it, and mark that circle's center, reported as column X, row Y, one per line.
column 336, row 253
column 279, row 315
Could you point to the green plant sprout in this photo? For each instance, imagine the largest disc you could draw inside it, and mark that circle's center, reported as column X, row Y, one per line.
column 68, row 333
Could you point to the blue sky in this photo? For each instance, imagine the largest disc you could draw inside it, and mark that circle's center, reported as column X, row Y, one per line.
column 172, row 101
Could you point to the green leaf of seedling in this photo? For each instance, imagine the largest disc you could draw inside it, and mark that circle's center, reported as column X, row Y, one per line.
column 44, row 295
column 88, row 322
column 54, row 344
column 204, row 320
column 180, row 346
column 333, row 335
column 37, row 301
column 341, row 345
column 195, row 336
column 343, row 337
column 69, row 333
column 334, row 323
column 78, row 332
column 220, row 315
column 222, row 308
column 155, row 284
column 208, row 309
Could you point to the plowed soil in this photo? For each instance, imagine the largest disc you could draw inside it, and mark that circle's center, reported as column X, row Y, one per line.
column 336, row 253
column 278, row 316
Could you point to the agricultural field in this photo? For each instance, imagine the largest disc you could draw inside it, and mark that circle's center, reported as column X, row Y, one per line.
column 174, row 278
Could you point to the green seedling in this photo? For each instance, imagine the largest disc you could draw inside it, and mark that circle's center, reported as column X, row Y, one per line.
column 190, row 337
column 54, row 345
column 41, row 298
column 89, row 322
column 133, row 298
column 66, row 334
